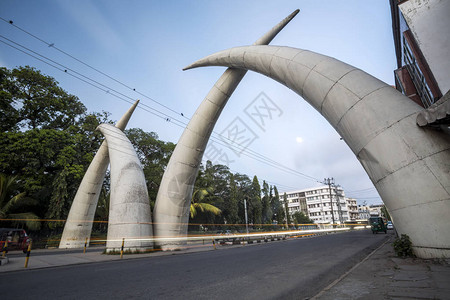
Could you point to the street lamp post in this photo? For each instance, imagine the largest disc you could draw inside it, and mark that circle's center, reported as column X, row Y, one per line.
column 246, row 217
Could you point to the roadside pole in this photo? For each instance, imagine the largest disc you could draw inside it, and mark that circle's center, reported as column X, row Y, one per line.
column 246, row 217
column 121, row 249
column 330, row 182
column 85, row 244
column 28, row 255
column 5, row 248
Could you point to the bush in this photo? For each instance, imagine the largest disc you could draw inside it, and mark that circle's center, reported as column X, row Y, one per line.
column 403, row 246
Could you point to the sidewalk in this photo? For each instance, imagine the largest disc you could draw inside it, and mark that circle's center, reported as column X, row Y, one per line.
column 47, row 258
column 382, row 275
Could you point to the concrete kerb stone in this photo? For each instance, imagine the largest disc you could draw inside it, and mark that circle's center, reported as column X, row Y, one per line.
column 4, row 261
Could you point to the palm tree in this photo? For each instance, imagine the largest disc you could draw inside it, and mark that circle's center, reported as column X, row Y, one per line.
column 197, row 202
column 10, row 203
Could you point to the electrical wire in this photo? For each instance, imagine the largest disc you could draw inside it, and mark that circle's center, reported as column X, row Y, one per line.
column 254, row 155
column 127, row 86
column 52, row 45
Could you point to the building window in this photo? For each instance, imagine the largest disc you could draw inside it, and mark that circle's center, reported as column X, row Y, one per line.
column 416, row 74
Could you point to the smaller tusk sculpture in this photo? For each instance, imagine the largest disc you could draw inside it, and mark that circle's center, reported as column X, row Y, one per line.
column 129, row 213
column 78, row 226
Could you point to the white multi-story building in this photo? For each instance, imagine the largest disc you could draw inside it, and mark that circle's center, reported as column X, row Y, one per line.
column 352, row 209
column 364, row 212
column 316, row 204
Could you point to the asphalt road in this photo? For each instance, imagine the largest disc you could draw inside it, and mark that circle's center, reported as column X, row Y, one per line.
column 293, row 269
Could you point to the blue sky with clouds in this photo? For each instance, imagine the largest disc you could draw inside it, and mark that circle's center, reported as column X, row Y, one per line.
column 144, row 45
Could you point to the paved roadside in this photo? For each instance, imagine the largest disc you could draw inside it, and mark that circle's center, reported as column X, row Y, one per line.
column 382, row 275
column 47, row 258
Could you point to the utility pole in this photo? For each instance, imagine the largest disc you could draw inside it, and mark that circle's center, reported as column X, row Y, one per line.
column 341, row 219
column 246, row 217
column 287, row 211
column 330, row 182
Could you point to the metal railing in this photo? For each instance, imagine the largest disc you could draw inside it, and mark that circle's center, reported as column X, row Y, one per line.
column 417, row 76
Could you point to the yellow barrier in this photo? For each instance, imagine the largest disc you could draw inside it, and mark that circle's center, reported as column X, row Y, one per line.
column 28, row 255
column 85, row 244
column 5, row 248
column 121, row 249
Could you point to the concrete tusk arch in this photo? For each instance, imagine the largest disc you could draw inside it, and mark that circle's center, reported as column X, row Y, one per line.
column 171, row 212
column 408, row 165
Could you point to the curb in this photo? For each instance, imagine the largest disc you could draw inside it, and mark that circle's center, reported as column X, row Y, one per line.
column 4, row 261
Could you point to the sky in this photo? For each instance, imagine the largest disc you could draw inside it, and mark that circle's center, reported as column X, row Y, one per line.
column 128, row 50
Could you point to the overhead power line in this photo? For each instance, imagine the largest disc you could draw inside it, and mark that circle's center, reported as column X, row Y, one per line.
column 243, row 150
column 52, row 45
column 363, row 190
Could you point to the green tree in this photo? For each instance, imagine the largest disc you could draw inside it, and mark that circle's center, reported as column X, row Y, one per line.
column 12, row 203
column 154, row 155
column 277, row 207
column 10, row 115
column 255, row 201
column 385, row 213
column 47, row 139
column 38, row 101
column 198, row 203
column 300, row 218
column 266, row 209
column 286, row 208
column 231, row 203
column 102, row 211
column 243, row 184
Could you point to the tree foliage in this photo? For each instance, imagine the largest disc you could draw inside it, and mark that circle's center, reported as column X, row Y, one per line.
column 33, row 100
column 286, row 208
column 198, row 203
column 232, row 203
column 15, row 205
column 300, row 218
column 48, row 139
column 255, row 201
column 154, row 155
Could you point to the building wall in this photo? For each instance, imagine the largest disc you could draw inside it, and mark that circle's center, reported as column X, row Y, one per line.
column 352, row 209
column 429, row 23
column 364, row 212
column 315, row 202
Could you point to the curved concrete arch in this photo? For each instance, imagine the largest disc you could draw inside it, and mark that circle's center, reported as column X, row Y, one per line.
column 171, row 212
column 79, row 222
column 129, row 212
column 408, row 165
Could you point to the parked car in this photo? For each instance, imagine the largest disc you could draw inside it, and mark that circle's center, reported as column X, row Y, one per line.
column 390, row 225
column 17, row 239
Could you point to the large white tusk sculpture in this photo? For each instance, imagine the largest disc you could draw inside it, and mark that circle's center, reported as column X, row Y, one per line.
column 171, row 212
column 78, row 227
column 409, row 165
column 129, row 212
